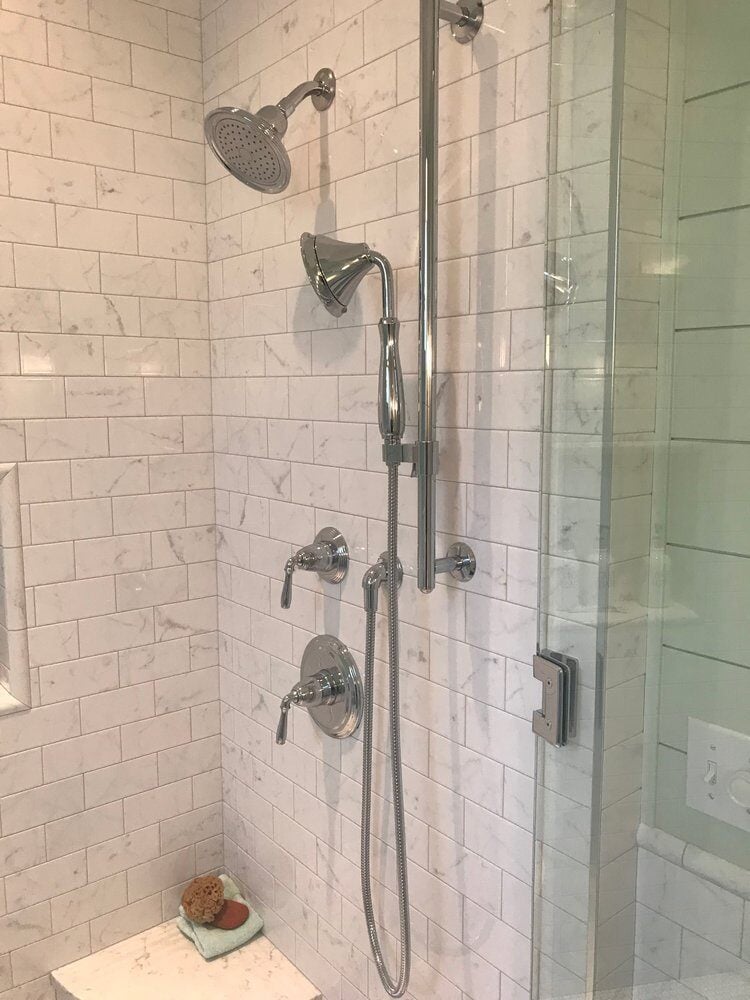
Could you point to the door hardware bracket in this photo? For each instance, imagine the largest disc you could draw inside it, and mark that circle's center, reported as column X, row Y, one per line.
column 555, row 721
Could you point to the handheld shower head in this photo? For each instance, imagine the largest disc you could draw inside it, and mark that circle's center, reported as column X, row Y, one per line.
column 335, row 269
column 249, row 145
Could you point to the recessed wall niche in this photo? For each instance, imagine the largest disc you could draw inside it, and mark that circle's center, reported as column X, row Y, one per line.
column 15, row 682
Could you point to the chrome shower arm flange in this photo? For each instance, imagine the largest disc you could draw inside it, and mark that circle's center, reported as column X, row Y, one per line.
column 322, row 90
column 465, row 18
column 459, row 561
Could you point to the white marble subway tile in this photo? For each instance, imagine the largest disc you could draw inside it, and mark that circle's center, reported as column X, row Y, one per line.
column 44, row 179
column 124, row 553
column 48, row 563
column 167, row 238
column 81, row 754
column 114, row 632
column 45, row 881
column 94, row 229
column 167, row 157
column 152, row 735
column 23, row 220
column 70, row 520
column 22, row 37
column 181, row 472
column 114, row 708
column 161, row 873
column 130, row 107
column 123, row 851
column 25, row 926
column 185, row 618
column 686, row 899
column 20, row 771
column 123, row 191
column 168, row 800
column 69, row 270
column 52, row 644
column 113, row 315
column 162, row 317
column 35, row 960
column 109, row 396
column 128, row 21
column 151, row 587
column 44, row 481
column 190, row 201
column 125, row 922
column 221, row 71
column 41, row 805
column 184, row 35
column 47, row 89
column 24, row 130
column 60, row 602
column 88, row 902
column 367, row 91
column 111, row 784
column 91, row 142
column 145, row 435
column 89, row 53
column 165, row 73
column 21, row 851
column 123, row 274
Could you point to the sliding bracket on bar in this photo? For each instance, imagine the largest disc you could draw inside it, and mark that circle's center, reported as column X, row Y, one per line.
column 421, row 455
column 465, row 18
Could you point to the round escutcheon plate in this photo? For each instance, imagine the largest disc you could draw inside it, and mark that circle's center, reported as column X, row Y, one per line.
column 326, row 652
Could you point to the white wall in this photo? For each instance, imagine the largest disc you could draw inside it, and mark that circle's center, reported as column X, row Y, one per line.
column 297, row 448
column 110, row 785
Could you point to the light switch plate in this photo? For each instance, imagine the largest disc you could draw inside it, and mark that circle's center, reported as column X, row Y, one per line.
column 718, row 773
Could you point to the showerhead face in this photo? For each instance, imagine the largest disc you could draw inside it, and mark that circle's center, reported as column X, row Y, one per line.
column 250, row 148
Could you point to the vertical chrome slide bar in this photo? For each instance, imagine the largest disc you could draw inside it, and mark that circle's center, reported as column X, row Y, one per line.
column 426, row 450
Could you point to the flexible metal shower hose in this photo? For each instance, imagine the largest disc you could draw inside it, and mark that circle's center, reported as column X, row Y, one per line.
column 398, row 988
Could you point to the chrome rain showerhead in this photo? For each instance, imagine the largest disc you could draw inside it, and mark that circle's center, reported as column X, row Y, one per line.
column 249, row 145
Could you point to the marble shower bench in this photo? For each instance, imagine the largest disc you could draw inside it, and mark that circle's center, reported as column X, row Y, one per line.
column 161, row 964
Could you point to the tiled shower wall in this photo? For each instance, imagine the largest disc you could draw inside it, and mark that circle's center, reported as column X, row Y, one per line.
column 110, row 785
column 297, row 449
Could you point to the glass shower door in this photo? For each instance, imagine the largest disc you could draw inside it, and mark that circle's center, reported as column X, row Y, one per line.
column 642, row 885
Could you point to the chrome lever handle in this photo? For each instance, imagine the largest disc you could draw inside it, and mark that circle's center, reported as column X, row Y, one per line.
column 286, row 590
column 322, row 688
column 328, row 556
column 281, row 729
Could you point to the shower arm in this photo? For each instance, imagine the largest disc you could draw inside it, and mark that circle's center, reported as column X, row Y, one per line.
column 322, row 90
column 461, row 14
column 291, row 102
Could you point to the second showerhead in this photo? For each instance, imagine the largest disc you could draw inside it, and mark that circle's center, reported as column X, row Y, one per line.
column 250, row 145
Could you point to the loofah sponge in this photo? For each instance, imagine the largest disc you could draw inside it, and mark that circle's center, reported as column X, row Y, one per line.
column 203, row 899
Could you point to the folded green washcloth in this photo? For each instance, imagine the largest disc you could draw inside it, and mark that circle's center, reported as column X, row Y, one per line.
column 212, row 941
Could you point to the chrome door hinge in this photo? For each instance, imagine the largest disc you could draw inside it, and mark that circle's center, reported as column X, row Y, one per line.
column 555, row 720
